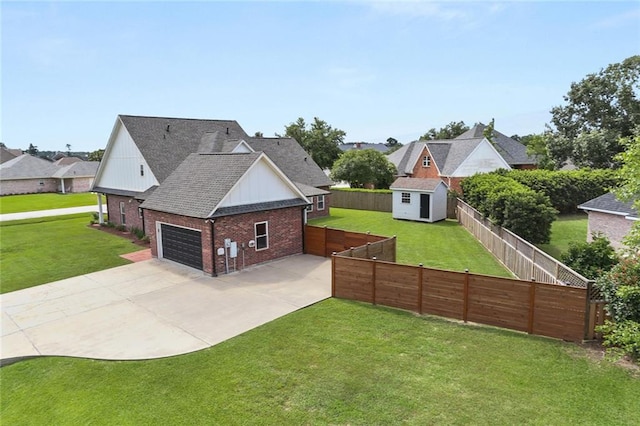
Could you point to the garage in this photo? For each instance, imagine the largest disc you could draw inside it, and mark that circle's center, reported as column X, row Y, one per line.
column 182, row 245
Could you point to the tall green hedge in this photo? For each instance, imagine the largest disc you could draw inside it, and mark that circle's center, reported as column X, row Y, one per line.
column 512, row 205
column 566, row 189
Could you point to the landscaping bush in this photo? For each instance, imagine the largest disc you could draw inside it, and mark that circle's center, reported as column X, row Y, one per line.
column 121, row 228
column 375, row 191
column 620, row 287
column 566, row 189
column 512, row 205
column 139, row 233
column 590, row 259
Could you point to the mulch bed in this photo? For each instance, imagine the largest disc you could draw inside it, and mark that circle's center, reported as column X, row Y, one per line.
column 123, row 234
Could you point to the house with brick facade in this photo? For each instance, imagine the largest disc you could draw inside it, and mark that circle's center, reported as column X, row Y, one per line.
column 191, row 183
column 610, row 217
column 26, row 174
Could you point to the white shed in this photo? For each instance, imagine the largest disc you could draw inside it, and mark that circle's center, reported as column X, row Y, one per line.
column 419, row 199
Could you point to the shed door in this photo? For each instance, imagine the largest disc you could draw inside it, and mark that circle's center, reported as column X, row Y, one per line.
column 425, row 205
column 182, row 245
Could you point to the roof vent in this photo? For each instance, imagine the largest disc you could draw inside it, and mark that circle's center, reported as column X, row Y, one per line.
column 305, row 158
column 227, row 130
column 168, row 126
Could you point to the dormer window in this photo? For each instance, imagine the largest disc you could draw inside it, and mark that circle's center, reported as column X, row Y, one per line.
column 141, row 169
column 426, row 161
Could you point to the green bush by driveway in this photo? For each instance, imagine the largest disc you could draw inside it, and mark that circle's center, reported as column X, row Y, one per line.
column 443, row 245
column 32, row 202
column 336, row 362
column 38, row 251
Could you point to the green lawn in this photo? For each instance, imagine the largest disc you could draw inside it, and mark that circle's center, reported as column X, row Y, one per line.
column 444, row 245
column 337, row 362
column 37, row 251
column 567, row 228
column 32, row 202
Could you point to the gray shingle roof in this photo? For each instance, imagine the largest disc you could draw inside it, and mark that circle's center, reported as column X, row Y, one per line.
column 380, row 147
column 513, row 152
column 78, row 169
column 420, row 184
column 6, row 155
column 258, row 207
column 459, row 150
column 166, row 142
column 27, row 167
column 608, row 203
column 405, row 158
column 198, row 184
column 292, row 159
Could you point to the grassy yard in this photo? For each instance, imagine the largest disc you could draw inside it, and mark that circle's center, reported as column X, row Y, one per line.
column 32, row 202
column 337, row 362
column 567, row 228
column 37, row 251
column 444, row 245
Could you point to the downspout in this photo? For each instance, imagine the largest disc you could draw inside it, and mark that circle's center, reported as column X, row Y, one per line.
column 141, row 214
column 213, row 248
column 304, row 223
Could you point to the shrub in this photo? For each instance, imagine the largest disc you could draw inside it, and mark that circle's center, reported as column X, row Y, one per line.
column 621, row 338
column 139, row 233
column 375, row 191
column 590, row 259
column 121, row 228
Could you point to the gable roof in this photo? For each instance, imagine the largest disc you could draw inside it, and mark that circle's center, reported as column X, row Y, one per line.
column 78, row 169
column 418, row 184
column 27, row 167
column 513, row 152
column 405, row 158
column 292, row 159
column 198, row 185
column 65, row 161
column 166, row 142
column 7, row 154
column 608, row 203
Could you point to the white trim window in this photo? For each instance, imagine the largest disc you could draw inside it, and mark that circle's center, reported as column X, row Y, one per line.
column 405, row 198
column 123, row 216
column 310, row 206
column 426, row 161
column 261, row 230
column 320, row 201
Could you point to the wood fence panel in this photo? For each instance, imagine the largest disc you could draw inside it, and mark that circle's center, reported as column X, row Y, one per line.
column 335, row 241
column 353, row 279
column 361, row 200
column 397, row 285
column 314, row 240
column 443, row 293
column 560, row 312
column 500, row 302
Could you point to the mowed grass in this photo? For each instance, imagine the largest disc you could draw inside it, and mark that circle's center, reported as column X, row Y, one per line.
column 37, row 251
column 567, row 228
column 443, row 245
column 337, row 362
column 33, row 202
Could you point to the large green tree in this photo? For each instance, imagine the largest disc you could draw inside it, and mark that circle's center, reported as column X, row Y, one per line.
column 360, row 167
column 629, row 189
column 320, row 140
column 96, row 155
column 450, row 131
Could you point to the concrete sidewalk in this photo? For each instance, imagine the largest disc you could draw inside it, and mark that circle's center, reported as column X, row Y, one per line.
column 155, row 308
column 53, row 212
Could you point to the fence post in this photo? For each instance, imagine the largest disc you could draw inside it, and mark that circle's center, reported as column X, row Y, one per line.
column 351, row 252
column 533, row 264
column 532, row 304
column 368, row 244
column 588, row 333
column 333, row 274
column 420, row 272
column 466, row 296
column 373, row 280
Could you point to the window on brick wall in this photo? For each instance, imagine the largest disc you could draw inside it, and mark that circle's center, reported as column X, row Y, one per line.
column 262, row 235
column 310, row 206
column 320, row 202
column 123, row 218
column 406, row 198
column 426, row 161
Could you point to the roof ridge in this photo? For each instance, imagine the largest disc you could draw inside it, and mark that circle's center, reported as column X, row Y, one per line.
column 178, row 118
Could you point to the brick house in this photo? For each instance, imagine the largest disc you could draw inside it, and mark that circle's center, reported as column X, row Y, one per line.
column 611, row 217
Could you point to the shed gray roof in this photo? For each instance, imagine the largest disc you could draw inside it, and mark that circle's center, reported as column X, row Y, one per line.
column 608, row 203
column 78, row 169
column 513, row 152
column 418, row 184
column 166, row 142
column 292, row 159
column 27, row 167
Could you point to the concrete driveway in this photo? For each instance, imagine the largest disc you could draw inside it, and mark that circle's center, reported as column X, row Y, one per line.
column 155, row 308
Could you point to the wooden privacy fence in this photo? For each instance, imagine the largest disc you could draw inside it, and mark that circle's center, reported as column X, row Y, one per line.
column 323, row 241
column 522, row 258
column 375, row 201
column 537, row 308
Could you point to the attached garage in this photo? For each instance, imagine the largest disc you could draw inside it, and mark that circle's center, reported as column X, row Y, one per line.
column 182, row 245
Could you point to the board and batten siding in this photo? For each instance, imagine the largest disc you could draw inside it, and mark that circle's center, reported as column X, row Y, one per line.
column 260, row 184
column 483, row 159
column 411, row 211
column 122, row 170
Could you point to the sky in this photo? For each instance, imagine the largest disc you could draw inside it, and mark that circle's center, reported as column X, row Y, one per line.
column 373, row 69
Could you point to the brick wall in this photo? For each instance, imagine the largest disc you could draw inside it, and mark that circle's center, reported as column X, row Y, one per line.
column 319, row 213
column 614, row 227
column 132, row 217
column 425, row 172
column 284, row 230
column 81, row 184
column 28, row 186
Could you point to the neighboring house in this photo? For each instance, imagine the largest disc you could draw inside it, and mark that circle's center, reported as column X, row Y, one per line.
column 27, row 174
column 162, row 175
column 421, row 199
column 7, row 154
column 380, row 147
column 65, row 161
column 513, row 152
column 609, row 216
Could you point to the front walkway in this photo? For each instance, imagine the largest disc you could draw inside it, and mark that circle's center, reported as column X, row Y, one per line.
column 53, row 212
column 155, row 308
